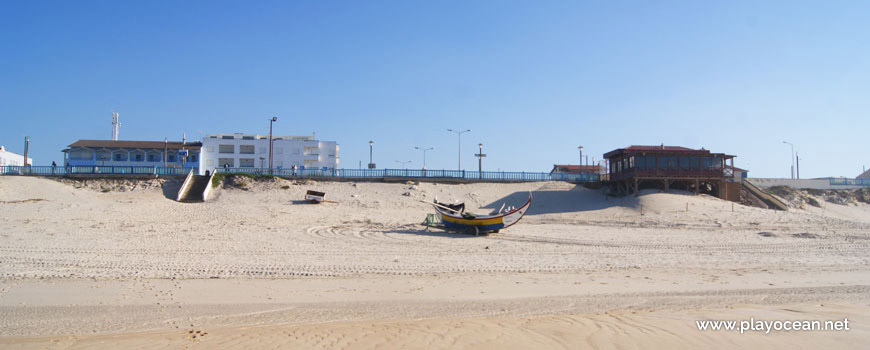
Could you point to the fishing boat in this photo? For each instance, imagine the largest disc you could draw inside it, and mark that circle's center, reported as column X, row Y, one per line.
column 454, row 220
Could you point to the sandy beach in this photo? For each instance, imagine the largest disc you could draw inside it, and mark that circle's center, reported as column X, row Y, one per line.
column 258, row 267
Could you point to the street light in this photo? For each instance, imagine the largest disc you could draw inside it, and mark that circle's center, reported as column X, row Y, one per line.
column 480, row 156
column 274, row 119
column 371, row 162
column 424, row 154
column 792, row 157
column 404, row 163
column 459, row 151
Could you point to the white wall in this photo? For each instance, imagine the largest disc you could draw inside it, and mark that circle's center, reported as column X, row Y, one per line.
column 9, row 158
column 818, row 184
column 286, row 151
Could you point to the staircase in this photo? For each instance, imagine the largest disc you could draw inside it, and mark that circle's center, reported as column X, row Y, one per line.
column 194, row 188
column 769, row 200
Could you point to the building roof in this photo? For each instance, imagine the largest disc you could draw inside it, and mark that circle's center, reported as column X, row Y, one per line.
column 736, row 168
column 134, row 144
column 575, row 169
column 864, row 175
column 263, row 137
column 662, row 149
column 657, row 148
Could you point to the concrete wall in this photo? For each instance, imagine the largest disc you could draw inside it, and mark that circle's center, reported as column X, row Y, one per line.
column 820, row 184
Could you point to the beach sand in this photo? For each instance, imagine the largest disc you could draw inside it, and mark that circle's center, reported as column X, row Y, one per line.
column 258, row 267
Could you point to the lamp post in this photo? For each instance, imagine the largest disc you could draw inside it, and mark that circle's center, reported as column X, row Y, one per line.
column 371, row 159
column 165, row 150
column 480, row 156
column 272, row 120
column 459, row 150
column 580, row 167
column 792, row 157
column 404, row 163
column 424, row 154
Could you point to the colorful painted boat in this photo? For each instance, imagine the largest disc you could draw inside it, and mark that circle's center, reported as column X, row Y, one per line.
column 477, row 224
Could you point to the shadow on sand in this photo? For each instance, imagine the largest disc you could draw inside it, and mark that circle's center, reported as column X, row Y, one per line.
column 171, row 187
column 431, row 233
column 576, row 199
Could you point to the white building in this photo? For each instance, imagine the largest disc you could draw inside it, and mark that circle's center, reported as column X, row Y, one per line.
column 9, row 158
column 252, row 151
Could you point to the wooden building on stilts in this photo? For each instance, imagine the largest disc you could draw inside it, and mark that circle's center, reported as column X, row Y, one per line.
column 671, row 167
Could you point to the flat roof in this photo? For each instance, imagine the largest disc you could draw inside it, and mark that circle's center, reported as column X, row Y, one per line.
column 134, row 144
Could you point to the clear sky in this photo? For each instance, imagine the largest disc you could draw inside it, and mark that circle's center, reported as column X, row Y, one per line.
column 532, row 79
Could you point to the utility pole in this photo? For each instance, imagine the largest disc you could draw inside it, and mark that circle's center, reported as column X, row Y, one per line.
column 459, row 150
column 424, row 154
column 26, row 148
column 480, row 156
column 580, row 167
column 797, row 160
column 165, row 150
column 274, row 119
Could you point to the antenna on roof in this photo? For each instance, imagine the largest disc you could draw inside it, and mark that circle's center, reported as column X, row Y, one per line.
column 116, row 125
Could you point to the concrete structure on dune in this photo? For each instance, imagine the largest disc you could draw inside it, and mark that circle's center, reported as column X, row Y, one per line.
column 576, row 169
column 666, row 167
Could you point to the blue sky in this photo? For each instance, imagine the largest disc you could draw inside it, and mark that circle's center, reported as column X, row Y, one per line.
column 532, row 79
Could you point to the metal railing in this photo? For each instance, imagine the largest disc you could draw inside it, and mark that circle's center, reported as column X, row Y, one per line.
column 852, row 182
column 92, row 170
column 416, row 173
column 319, row 173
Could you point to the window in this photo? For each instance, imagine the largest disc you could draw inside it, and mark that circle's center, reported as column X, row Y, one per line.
column 227, row 137
column 230, row 162
column 246, row 149
column 684, row 162
column 247, row 137
column 694, row 162
column 706, row 162
column 191, row 158
column 668, row 162
column 155, row 157
column 246, row 162
column 230, row 149
column 120, row 157
column 81, row 155
column 103, row 155
column 171, row 158
column 138, row 157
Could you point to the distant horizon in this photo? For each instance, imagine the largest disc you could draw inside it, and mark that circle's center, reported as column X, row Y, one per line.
column 532, row 81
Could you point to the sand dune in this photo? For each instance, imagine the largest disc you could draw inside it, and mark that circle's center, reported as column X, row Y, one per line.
column 84, row 268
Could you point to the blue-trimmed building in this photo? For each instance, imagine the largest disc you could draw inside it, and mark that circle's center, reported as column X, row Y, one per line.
column 133, row 153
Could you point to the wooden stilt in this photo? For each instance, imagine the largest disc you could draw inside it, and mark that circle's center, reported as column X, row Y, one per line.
column 636, row 187
column 697, row 185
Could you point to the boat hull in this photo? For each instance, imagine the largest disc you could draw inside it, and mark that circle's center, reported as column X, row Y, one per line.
column 483, row 224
